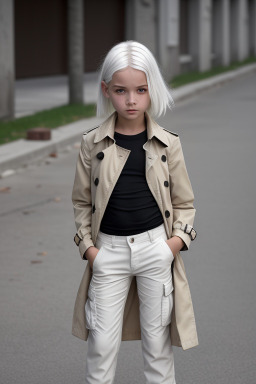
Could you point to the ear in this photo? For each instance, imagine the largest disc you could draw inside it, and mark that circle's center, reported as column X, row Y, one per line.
column 104, row 88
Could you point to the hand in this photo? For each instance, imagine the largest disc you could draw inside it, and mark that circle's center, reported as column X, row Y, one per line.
column 91, row 254
column 175, row 244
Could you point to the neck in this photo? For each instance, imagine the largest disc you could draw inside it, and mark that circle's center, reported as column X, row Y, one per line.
column 130, row 126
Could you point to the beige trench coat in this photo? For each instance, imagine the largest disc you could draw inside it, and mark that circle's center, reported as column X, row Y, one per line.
column 100, row 158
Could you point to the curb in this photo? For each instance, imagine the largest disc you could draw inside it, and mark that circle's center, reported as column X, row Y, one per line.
column 191, row 89
column 22, row 152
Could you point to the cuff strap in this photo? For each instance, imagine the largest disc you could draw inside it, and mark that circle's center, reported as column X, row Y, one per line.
column 187, row 229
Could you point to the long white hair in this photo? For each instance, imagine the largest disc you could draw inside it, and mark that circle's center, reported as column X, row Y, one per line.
column 135, row 55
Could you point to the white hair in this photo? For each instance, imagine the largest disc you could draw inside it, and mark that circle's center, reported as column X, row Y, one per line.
column 135, row 55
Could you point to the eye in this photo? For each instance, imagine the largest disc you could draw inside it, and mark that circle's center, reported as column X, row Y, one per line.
column 142, row 90
column 119, row 91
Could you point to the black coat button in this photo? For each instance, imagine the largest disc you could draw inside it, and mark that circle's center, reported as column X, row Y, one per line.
column 167, row 214
column 93, row 208
column 100, row 155
column 166, row 184
column 163, row 158
column 96, row 181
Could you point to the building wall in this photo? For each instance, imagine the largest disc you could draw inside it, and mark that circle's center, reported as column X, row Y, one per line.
column 102, row 29
column 182, row 34
column 41, row 35
column 40, row 38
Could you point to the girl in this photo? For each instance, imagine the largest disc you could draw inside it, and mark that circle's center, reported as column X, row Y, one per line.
column 134, row 212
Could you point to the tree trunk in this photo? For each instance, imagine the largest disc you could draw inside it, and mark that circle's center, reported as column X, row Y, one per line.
column 75, row 51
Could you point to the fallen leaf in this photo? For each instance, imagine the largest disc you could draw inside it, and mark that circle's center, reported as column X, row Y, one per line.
column 35, row 261
column 5, row 189
column 57, row 199
column 53, row 154
column 41, row 253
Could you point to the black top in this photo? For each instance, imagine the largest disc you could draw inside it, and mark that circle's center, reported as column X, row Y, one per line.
column 132, row 208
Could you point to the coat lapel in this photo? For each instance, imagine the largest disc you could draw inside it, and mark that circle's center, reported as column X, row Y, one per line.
column 151, row 157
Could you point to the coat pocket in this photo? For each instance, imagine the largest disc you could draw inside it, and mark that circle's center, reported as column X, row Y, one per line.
column 167, row 303
column 90, row 309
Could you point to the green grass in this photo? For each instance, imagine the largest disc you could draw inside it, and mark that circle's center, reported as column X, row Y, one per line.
column 52, row 118
column 191, row 77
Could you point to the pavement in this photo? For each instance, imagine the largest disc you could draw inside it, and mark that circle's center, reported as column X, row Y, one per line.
column 34, row 95
column 41, row 267
column 37, row 94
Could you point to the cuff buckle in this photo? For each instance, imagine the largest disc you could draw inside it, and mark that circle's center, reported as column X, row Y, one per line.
column 77, row 239
column 190, row 231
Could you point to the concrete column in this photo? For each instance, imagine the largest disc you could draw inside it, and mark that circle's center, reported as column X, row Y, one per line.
column 252, row 27
column 221, row 32
column 141, row 23
column 168, row 37
column 200, row 36
column 75, row 50
column 6, row 60
column 239, row 31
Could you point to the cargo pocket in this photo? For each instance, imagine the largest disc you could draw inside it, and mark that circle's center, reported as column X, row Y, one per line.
column 90, row 309
column 167, row 303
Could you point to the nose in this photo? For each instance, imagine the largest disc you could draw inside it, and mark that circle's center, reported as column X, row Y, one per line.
column 131, row 98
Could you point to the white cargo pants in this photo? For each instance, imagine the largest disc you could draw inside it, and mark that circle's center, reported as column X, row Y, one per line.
column 148, row 257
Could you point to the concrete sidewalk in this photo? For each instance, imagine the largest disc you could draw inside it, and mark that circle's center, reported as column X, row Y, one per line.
column 38, row 94
column 21, row 152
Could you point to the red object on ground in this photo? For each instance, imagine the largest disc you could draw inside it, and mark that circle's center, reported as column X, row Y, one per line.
column 39, row 134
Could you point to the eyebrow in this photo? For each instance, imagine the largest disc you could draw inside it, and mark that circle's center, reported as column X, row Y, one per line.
column 122, row 86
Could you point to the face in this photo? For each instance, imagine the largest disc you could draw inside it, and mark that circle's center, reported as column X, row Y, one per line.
column 128, row 92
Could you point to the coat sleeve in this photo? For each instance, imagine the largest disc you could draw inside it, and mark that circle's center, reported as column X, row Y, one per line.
column 81, row 198
column 181, row 194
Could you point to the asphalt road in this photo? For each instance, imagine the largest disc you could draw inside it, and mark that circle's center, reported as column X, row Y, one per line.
column 41, row 268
